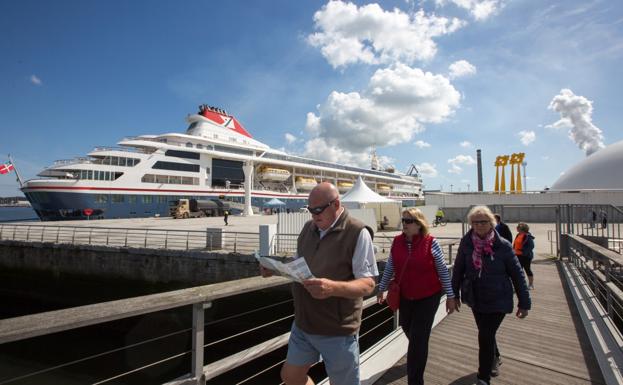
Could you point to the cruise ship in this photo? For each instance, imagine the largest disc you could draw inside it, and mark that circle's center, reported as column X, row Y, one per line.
column 217, row 158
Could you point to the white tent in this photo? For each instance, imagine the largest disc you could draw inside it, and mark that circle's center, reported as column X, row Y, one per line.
column 360, row 196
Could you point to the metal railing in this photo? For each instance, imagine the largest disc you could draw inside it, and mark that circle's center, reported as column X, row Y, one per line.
column 285, row 244
column 237, row 242
column 200, row 298
column 596, row 222
column 602, row 269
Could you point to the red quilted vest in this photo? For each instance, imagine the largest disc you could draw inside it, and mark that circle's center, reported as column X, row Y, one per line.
column 420, row 280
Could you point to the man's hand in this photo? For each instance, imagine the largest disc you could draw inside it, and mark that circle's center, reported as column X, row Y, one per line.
column 319, row 288
column 380, row 297
column 266, row 272
column 452, row 304
column 521, row 313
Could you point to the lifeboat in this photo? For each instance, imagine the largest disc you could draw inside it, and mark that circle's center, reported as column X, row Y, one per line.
column 344, row 185
column 272, row 174
column 305, row 183
column 383, row 188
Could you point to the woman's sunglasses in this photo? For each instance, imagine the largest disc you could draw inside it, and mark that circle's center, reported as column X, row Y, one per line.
column 408, row 221
column 480, row 222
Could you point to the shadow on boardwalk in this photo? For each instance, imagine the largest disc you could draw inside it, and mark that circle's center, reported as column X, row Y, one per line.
column 549, row 347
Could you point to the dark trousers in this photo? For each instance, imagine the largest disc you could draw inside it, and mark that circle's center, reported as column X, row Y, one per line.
column 416, row 320
column 525, row 263
column 488, row 324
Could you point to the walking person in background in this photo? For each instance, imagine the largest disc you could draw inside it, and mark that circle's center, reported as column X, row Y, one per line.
column 524, row 250
column 604, row 218
column 503, row 229
column 327, row 309
column 418, row 260
column 593, row 218
column 225, row 217
column 485, row 273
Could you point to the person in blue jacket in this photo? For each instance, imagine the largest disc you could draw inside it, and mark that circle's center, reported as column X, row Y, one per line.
column 486, row 273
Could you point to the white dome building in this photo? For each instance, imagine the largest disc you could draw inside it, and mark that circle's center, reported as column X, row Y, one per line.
column 603, row 170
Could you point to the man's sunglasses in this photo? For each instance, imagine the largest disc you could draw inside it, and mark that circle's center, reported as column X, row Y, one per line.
column 318, row 210
column 408, row 221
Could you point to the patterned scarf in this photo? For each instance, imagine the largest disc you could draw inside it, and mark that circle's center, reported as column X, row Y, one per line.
column 482, row 247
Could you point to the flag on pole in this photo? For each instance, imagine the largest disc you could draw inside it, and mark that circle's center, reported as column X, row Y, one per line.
column 6, row 168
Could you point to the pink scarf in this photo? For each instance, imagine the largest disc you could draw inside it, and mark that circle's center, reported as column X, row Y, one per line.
column 482, row 247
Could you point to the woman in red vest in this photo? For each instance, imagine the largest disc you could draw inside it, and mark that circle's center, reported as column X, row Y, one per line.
column 418, row 264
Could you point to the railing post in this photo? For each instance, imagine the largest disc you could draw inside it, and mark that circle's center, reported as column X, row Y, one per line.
column 396, row 320
column 198, row 339
column 73, row 236
column 90, row 233
column 28, row 233
column 235, row 241
column 145, row 244
column 58, row 231
column 166, row 239
column 450, row 254
column 126, row 239
column 42, row 233
column 107, row 236
column 187, row 236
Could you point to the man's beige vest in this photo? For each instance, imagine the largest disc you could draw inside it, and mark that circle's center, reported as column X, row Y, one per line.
column 330, row 257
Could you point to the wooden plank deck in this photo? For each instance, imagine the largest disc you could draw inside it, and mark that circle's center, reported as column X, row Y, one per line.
column 548, row 347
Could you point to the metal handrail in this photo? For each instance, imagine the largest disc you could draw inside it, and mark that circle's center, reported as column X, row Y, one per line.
column 238, row 242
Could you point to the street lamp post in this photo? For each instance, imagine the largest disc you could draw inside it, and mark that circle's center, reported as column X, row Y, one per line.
column 525, row 185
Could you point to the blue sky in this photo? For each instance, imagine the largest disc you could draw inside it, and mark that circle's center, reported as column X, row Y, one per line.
column 424, row 82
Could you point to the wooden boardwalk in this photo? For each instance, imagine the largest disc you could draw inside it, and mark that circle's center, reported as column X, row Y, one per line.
column 548, row 347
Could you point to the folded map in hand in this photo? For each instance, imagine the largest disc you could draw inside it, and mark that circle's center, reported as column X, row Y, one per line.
column 294, row 269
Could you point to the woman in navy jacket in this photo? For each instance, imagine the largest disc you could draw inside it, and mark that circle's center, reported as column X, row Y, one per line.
column 485, row 274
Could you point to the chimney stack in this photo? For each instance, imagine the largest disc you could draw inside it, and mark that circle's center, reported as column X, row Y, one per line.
column 479, row 160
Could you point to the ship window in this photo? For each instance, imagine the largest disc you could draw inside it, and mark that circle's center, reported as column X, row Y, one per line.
column 224, row 171
column 90, row 174
column 148, row 178
column 101, row 198
column 118, row 175
column 199, row 146
column 148, row 199
column 116, row 198
column 162, row 199
column 188, row 144
column 207, row 170
column 108, row 175
column 162, row 179
column 190, row 180
column 182, row 154
column 173, row 179
column 160, row 165
column 132, row 199
column 193, row 125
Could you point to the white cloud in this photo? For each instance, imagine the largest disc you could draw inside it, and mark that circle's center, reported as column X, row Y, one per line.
column 576, row 114
column 465, row 144
column 391, row 110
column 422, row 144
column 458, row 161
column 479, row 9
column 34, row 79
column 290, row 138
column 427, row 169
column 526, row 137
column 461, row 68
column 348, row 34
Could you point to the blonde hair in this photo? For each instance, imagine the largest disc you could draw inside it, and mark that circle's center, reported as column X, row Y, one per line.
column 419, row 217
column 523, row 227
column 481, row 210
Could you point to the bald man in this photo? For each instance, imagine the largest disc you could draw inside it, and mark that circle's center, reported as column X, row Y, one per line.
column 338, row 249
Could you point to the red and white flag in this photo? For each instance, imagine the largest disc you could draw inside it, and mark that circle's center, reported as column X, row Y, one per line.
column 6, row 168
